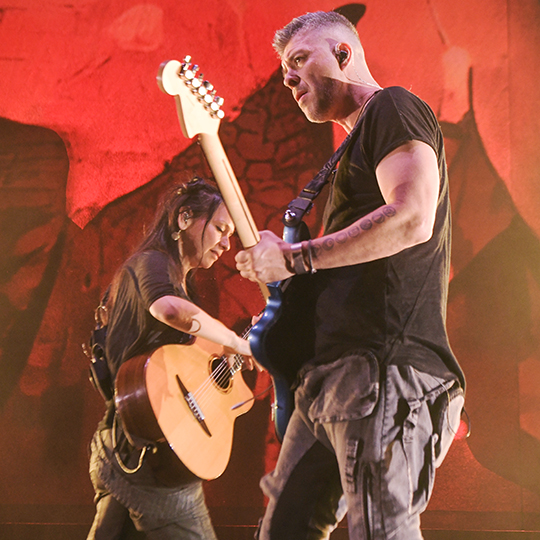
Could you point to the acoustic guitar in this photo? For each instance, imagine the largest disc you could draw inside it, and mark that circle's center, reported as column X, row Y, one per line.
column 186, row 397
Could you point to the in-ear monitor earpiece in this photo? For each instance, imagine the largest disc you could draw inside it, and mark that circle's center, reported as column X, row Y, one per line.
column 341, row 56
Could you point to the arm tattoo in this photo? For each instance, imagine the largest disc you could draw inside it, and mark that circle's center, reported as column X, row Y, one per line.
column 378, row 217
column 365, row 224
column 341, row 237
column 195, row 326
column 328, row 244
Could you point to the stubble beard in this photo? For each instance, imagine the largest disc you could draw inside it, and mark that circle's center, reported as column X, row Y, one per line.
column 323, row 95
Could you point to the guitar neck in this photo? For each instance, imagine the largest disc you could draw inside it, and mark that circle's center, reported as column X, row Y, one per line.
column 232, row 194
column 228, row 185
column 199, row 113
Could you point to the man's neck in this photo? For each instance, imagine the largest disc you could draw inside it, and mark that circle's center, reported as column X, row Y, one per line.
column 350, row 121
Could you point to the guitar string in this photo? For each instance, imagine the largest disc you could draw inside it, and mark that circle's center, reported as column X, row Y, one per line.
column 220, row 374
column 203, row 395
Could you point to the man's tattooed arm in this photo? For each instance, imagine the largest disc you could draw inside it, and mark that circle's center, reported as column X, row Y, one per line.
column 352, row 232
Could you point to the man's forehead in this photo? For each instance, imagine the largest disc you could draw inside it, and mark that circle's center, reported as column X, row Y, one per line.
column 311, row 39
column 303, row 38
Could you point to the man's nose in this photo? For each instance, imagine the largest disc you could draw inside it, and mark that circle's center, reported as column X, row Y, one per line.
column 291, row 79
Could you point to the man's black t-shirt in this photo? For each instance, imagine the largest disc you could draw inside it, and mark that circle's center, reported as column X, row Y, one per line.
column 394, row 306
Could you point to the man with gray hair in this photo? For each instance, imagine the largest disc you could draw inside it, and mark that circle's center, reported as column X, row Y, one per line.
column 379, row 403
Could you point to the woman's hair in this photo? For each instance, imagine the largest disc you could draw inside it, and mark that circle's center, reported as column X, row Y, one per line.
column 200, row 199
column 197, row 196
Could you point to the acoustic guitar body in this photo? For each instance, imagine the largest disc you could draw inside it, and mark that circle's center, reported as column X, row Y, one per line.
column 185, row 397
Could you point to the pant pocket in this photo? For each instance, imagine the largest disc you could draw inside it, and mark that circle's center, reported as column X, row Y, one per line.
column 347, row 389
column 428, row 432
column 446, row 414
column 407, row 469
column 419, row 449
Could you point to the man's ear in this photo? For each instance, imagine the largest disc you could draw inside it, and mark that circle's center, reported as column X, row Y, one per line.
column 343, row 54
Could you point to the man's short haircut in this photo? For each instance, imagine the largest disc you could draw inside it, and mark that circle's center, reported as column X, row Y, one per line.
column 310, row 21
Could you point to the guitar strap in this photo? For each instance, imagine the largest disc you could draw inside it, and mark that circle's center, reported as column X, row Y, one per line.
column 102, row 380
column 100, row 375
column 300, row 206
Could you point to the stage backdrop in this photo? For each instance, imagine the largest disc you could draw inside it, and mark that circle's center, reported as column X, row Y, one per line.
column 88, row 143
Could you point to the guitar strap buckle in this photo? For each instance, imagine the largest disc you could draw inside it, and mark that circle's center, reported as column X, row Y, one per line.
column 296, row 211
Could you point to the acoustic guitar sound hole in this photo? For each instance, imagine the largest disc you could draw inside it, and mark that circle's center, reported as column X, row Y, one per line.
column 221, row 373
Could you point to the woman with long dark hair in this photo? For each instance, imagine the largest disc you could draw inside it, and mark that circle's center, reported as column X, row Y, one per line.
column 149, row 304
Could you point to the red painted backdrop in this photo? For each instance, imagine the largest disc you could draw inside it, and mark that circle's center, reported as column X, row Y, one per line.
column 88, row 142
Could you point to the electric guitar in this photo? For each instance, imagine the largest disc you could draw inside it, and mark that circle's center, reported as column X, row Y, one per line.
column 283, row 338
column 186, row 398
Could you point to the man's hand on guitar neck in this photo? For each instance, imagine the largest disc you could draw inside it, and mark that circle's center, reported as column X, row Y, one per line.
column 267, row 261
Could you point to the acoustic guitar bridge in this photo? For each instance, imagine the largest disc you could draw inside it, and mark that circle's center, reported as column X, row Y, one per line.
column 193, row 406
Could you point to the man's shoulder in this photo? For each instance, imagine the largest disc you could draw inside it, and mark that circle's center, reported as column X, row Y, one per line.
column 399, row 94
column 404, row 102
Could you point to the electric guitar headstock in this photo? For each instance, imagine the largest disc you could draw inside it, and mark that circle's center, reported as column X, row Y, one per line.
column 199, row 108
column 199, row 113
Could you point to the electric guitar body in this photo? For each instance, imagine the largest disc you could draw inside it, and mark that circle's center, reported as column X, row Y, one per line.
column 283, row 340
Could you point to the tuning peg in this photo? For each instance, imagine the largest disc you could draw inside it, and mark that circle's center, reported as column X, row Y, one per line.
column 216, row 104
column 209, row 97
column 185, row 65
column 190, row 72
column 210, row 92
column 215, row 107
column 198, row 81
column 205, row 88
